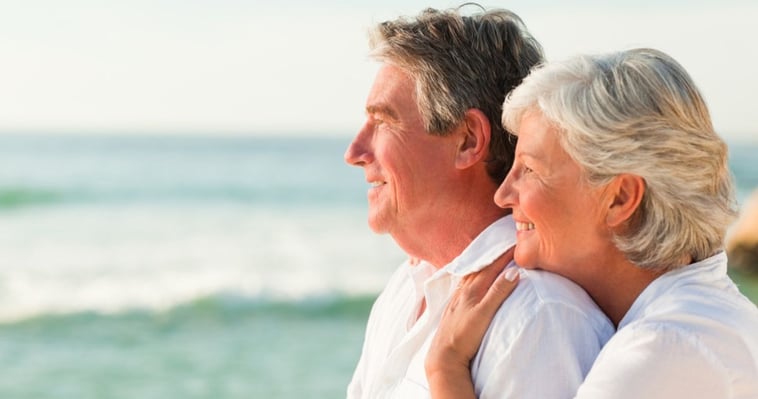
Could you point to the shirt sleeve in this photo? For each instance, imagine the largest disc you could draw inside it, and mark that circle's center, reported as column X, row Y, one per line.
column 355, row 388
column 546, row 356
column 380, row 312
column 656, row 363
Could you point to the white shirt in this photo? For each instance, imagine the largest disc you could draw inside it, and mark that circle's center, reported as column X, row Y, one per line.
column 690, row 334
column 540, row 344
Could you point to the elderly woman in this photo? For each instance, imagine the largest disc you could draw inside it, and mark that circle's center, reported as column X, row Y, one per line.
column 620, row 184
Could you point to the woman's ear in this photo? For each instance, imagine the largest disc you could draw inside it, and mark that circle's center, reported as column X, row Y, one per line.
column 475, row 140
column 626, row 191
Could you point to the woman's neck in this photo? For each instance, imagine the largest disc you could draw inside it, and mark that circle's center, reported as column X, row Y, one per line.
column 617, row 286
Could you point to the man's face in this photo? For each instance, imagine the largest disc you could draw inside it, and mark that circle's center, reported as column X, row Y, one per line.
column 406, row 167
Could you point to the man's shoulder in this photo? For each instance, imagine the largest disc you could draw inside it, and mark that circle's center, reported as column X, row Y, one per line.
column 550, row 289
column 541, row 294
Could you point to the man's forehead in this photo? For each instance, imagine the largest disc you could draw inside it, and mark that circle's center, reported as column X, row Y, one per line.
column 393, row 90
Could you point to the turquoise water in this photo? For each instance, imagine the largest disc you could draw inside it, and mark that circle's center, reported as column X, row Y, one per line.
column 190, row 267
column 210, row 348
column 183, row 267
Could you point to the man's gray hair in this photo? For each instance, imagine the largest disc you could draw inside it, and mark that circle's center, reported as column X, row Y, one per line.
column 460, row 62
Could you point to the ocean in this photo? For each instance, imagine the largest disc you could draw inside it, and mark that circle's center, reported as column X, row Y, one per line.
column 190, row 266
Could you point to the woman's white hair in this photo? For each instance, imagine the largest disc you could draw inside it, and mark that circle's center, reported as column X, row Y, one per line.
column 639, row 112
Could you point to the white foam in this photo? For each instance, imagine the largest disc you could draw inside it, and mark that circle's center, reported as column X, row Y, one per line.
column 113, row 258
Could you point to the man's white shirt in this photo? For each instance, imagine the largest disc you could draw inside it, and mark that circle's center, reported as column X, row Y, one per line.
column 541, row 343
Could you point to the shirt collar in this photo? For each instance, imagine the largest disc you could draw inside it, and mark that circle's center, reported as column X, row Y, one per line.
column 419, row 273
column 707, row 270
column 492, row 242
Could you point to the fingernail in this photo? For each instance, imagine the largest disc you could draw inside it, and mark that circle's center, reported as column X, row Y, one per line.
column 511, row 273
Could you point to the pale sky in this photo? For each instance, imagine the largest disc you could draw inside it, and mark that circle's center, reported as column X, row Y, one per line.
column 255, row 67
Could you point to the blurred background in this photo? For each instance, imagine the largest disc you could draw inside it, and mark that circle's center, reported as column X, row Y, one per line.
column 176, row 219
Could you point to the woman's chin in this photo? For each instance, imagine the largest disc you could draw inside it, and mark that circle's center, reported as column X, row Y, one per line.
column 525, row 259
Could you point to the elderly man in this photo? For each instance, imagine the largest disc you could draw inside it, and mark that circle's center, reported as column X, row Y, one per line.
column 434, row 152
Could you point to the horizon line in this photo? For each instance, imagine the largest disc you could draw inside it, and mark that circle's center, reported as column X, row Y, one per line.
column 731, row 137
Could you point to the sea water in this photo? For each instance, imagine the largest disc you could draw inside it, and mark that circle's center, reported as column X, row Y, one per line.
column 190, row 266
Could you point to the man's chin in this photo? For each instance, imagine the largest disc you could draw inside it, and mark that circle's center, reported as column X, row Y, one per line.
column 377, row 227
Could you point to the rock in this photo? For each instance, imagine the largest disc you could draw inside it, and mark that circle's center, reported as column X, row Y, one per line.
column 742, row 239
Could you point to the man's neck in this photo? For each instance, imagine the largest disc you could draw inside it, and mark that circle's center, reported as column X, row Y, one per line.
column 449, row 235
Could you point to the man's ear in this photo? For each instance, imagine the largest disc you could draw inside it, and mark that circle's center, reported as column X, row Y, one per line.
column 626, row 191
column 475, row 140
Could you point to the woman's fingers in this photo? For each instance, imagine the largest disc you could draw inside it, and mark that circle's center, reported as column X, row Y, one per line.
column 468, row 314
column 500, row 290
column 480, row 295
column 477, row 284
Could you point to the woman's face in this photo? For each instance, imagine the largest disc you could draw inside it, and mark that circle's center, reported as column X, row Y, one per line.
column 560, row 219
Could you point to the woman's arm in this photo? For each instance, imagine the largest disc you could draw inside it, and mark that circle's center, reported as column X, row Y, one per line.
column 463, row 326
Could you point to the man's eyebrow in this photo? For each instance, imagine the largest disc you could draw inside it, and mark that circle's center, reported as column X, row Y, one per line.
column 382, row 109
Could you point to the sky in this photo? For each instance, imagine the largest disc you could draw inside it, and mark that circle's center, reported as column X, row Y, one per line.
column 262, row 67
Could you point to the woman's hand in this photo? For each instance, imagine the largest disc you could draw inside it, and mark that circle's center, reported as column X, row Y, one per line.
column 463, row 325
